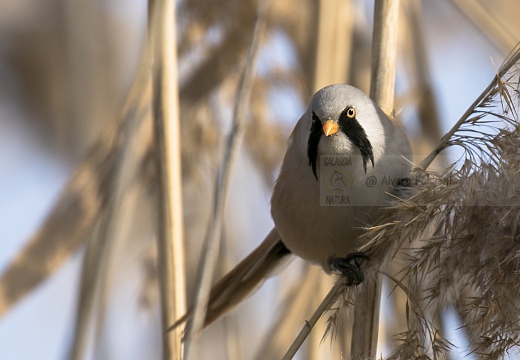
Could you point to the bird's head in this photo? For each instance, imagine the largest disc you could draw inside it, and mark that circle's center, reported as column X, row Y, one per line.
column 342, row 120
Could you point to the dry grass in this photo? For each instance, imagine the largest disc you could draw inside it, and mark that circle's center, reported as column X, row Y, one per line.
column 456, row 236
column 206, row 90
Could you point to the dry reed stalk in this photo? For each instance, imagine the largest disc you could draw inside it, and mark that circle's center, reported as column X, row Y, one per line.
column 167, row 136
column 384, row 52
column 333, row 50
column 86, row 295
column 77, row 208
column 456, row 233
column 212, row 241
column 296, row 306
column 334, row 43
column 100, row 244
column 414, row 46
column 496, row 86
column 325, row 305
column 365, row 329
column 497, row 31
column 418, row 53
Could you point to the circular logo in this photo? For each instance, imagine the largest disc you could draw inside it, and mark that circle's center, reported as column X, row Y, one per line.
column 337, row 181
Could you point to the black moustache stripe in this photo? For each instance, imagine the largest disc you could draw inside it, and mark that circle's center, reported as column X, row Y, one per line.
column 355, row 132
column 312, row 145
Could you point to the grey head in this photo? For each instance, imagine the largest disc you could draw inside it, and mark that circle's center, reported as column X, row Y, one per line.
column 341, row 114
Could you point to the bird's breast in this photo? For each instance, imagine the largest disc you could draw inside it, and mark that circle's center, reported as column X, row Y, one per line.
column 322, row 219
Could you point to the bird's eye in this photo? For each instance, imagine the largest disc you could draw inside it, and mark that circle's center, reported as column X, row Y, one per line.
column 351, row 112
column 314, row 118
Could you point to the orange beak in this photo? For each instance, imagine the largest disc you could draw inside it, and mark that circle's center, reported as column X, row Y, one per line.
column 330, row 127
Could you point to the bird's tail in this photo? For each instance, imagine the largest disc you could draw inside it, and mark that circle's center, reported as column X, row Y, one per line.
column 244, row 279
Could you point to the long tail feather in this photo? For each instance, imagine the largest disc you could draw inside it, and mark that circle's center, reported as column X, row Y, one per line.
column 244, row 279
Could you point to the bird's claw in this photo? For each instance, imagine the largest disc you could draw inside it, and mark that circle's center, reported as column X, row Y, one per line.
column 350, row 268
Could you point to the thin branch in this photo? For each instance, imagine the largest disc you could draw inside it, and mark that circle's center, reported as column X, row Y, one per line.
column 86, row 295
column 295, row 306
column 325, row 305
column 212, row 241
column 167, row 135
column 445, row 141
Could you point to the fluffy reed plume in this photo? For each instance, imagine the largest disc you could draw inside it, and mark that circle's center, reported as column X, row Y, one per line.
column 456, row 235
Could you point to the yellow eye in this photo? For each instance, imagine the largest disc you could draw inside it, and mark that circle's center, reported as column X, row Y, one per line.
column 351, row 113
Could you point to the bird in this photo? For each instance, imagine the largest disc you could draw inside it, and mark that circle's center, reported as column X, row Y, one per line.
column 342, row 134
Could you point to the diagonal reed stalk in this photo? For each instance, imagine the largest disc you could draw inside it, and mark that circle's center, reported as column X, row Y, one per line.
column 99, row 248
column 325, row 305
column 213, row 235
column 497, row 31
column 79, row 205
column 295, row 306
column 513, row 59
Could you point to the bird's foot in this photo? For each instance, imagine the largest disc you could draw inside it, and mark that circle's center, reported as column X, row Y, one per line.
column 350, row 268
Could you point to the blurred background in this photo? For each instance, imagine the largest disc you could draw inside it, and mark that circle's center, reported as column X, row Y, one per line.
column 66, row 68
